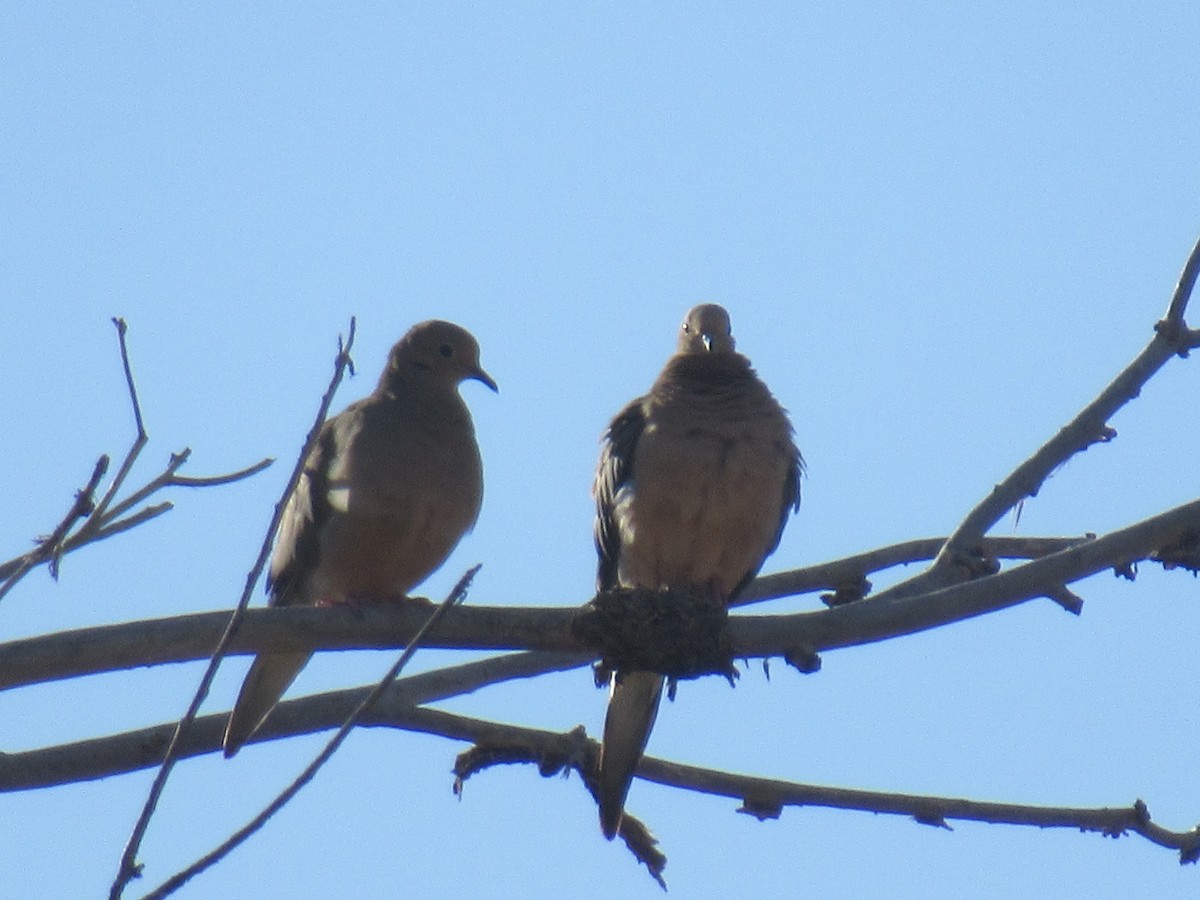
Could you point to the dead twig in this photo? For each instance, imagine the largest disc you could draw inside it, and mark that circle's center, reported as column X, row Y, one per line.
column 128, row 868
column 100, row 519
column 955, row 561
column 177, row 881
column 849, row 574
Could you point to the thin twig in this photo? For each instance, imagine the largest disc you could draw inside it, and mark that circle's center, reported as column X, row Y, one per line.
column 215, row 480
column 85, row 504
column 954, row 562
column 157, row 483
column 133, row 395
column 51, row 547
column 129, row 868
column 114, row 528
column 852, row 570
column 103, row 518
column 1173, row 321
column 177, row 881
column 140, row 438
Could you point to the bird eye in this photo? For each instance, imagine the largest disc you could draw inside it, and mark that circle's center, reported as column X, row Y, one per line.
column 446, row 350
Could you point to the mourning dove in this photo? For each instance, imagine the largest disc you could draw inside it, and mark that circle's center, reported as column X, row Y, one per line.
column 695, row 483
column 391, row 485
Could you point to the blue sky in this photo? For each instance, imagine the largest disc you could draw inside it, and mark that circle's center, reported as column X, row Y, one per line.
column 939, row 230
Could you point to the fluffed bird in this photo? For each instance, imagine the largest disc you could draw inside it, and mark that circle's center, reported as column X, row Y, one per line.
column 391, row 485
column 695, row 483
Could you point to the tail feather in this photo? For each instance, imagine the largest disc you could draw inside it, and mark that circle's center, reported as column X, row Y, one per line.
column 269, row 676
column 632, row 709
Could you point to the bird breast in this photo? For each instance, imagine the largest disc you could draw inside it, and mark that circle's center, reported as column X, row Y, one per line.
column 399, row 501
column 704, row 503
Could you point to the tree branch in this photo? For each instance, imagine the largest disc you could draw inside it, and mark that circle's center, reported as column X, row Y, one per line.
column 957, row 560
column 102, row 519
column 388, row 626
column 847, row 577
column 963, row 581
column 120, row 754
column 128, row 868
column 1173, row 323
column 51, row 547
column 764, row 798
column 239, row 837
column 551, row 751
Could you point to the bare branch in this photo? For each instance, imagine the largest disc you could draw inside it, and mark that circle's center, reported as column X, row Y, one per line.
column 104, row 518
column 152, row 642
column 848, row 575
column 765, row 798
column 1087, row 428
column 133, row 396
column 177, row 881
column 140, row 438
column 123, row 753
column 879, row 617
column 52, row 546
column 1173, row 322
column 958, row 559
column 108, row 648
column 128, row 868
column 114, row 528
column 762, row 797
column 214, row 480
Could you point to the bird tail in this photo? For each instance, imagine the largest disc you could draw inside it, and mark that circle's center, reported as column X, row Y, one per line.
column 632, row 708
column 269, row 676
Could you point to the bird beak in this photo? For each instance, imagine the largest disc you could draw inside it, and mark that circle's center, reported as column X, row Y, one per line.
column 707, row 339
column 479, row 375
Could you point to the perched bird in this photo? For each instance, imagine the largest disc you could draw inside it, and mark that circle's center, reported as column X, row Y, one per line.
column 392, row 484
column 695, row 483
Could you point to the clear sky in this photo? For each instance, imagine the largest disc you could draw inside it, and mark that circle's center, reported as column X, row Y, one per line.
column 939, row 228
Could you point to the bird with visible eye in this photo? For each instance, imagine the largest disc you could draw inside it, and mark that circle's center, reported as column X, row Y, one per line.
column 694, row 486
column 391, row 485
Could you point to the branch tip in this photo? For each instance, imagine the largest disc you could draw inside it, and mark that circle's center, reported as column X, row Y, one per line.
column 1173, row 321
column 1066, row 598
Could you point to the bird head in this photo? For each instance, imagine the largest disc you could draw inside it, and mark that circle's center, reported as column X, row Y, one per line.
column 706, row 329
column 437, row 351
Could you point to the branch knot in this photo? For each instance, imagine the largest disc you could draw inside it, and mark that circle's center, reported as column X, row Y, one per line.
column 678, row 632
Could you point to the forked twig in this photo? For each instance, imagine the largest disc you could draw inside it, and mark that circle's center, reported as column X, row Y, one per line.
column 1172, row 337
column 129, row 868
column 101, row 519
